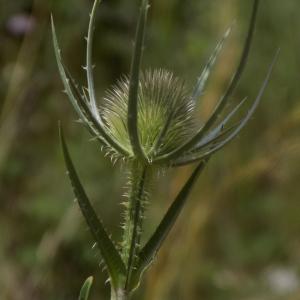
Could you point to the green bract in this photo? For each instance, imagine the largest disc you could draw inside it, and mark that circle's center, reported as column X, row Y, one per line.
column 149, row 116
column 148, row 119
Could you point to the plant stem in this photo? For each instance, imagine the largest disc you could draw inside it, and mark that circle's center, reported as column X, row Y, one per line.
column 118, row 295
column 134, row 215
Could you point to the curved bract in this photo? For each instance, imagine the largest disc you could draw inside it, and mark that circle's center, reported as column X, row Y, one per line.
column 149, row 116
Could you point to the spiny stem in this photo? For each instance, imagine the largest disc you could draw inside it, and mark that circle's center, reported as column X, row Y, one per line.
column 118, row 295
column 134, row 215
column 136, row 224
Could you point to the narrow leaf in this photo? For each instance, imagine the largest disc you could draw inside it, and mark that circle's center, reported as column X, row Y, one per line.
column 64, row 78
column 134, row 82
column 224, row 100
column 241, row 125
column 151, row 248
column 111, row 256
column 198, row 90
column 162, row 133
column 199, row 87
column 81, row 98
column 214, row 134
column 89, row 67
column 78, row 103
column 85, row 290
column 214, row 141
column 92, row 124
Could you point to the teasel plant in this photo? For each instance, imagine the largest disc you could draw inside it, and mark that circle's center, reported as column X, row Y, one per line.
column 148, row 122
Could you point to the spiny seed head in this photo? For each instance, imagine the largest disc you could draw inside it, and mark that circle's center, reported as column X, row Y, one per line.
column 164, row 102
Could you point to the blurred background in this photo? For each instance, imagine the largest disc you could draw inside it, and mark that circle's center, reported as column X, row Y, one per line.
column 239, row 235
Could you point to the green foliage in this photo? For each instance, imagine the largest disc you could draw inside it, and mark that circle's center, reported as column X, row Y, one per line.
column 80, row 104
column 136, row 105
column 202, row 80
column 132, row 123
column 131, row 111
column 149, row 251
column 233, row 132
column 112, row 258
column 86, row 288
column 242, row 222
column 224, row 100
column 89, row 66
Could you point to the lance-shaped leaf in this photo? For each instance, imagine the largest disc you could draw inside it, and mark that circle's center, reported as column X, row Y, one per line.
column 111, row 256
column 193, row 158
column 81, row 108
column 92, row 124
column 198, row 90
column 134, row 82
column 162, row 133
column 89, row 66
column 149, row 251
column 225, row 132
column 224, row 100
column 81, row 100
column 86, row 288
column 219, row 130
column 64, row 78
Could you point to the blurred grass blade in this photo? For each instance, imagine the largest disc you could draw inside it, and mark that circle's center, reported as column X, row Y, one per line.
column 86, row 288
column 198, row 90
column 241, row 125
column 134, row 82
column 224, row 100
column 111, row 256
column 81, row 108
column 149, row 251
column 89, row 67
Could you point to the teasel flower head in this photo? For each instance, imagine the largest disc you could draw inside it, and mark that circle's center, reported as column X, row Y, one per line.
column 165, row 113
column 150, row 116
column 149, row 119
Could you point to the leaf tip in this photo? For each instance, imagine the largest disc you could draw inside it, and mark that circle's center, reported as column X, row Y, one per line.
column 85, row 290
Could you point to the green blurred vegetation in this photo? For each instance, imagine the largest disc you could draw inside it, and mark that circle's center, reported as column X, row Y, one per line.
column 239, row 236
